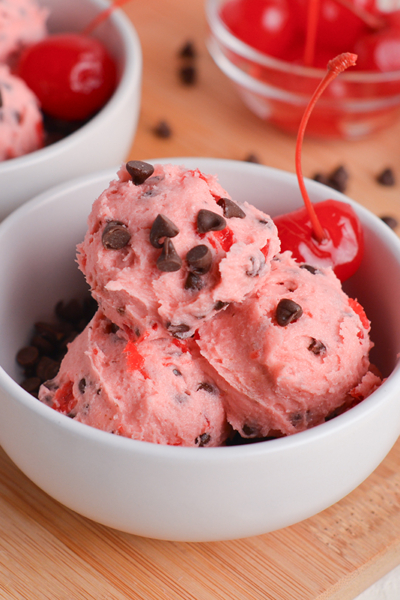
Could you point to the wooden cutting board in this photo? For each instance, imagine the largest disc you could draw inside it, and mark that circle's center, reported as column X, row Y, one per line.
column 49, row 552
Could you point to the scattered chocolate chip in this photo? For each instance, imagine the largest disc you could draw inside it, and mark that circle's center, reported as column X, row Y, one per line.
column 27, row 356
column 203, row 440
column 219, row 305
column 194, row 282
column 115, row 236
column 386, row 177
column 287, row 312
column 209, row 221
column 82, row 385
column 188, row 74
column 47, row 368
column 139, row 171
column 231, row 209
column 169, row 260
column 252, row 158
column 178, row 331
column 317, row 347
column 188, row 50
column 309, row 268
column 162, row 130
column 207, row 387
column 177, row 372
column 338, row 179
column 390, row 221
column 199, row 259
column 162, row 228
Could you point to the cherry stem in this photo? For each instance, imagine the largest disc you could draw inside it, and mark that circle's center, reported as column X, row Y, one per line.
column 372, row 21
column 335, row 66
column 311, row 32
column 103, row 16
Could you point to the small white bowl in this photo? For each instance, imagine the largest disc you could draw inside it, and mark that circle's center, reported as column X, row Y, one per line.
column 177, row 493
column 107, row 138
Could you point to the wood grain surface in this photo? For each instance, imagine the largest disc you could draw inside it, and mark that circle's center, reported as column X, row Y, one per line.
column 49, row 552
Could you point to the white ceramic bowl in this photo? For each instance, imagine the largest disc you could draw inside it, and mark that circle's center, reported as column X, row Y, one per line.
column 179, row 493
column 106, row 139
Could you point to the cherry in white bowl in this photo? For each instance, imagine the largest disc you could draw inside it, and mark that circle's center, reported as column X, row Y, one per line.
column 106, row 138
column 178, row 493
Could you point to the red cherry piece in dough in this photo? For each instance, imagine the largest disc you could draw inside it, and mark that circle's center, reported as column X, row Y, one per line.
column 72, row 75
column 343, row 246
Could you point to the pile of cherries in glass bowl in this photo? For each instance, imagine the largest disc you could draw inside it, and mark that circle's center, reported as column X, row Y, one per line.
column 275, row 52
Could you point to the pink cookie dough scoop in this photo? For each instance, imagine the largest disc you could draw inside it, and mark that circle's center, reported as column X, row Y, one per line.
column 22, row 22
column 291, row 355
column 21, row 124
column 155, row 390
column 166, row 247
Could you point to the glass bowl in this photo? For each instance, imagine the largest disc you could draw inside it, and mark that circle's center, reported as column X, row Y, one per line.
column 355, row 104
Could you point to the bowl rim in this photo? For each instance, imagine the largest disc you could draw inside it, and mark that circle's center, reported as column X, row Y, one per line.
column 230, row 41
column 131, row 75
column 383, row 395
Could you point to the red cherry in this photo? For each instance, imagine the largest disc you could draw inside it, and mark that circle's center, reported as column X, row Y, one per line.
column 266, row 25
column 380, row 50
column 342, row 247
column 328, row 233
column 72, row 75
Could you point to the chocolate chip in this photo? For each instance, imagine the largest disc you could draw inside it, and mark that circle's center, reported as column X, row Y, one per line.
column 188, row 50
column 202, row 440
column 338, row 179
column 188, row 74
column 256, row 266
column 47, row 368
column 219, row 305
column 115, row 236
column 207, row 387
column 321, row 178
column 178, row 331
column 250, row 430
column 287, row 312
column 177, row 372
column 169, row 261
column 82, row 385
column 386, row 177
column 162, row 130
column 317, row 347
column 194, row 282
column 199, row 259
column 296, row 419
column 161, row 228
column 72, row 311
column 139, row 171
column 27, row 356
column 231, row 209
column 390, row 222
column 31, row 384
column 209, row 221
column 309, row 268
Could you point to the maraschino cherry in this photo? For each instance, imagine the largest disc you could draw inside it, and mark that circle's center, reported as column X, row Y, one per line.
column 329, row 233
column 72, row 74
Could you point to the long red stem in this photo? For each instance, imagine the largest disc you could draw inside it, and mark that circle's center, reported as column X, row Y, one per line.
column 335, row 66
column 103, row 16
column 311, row 32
